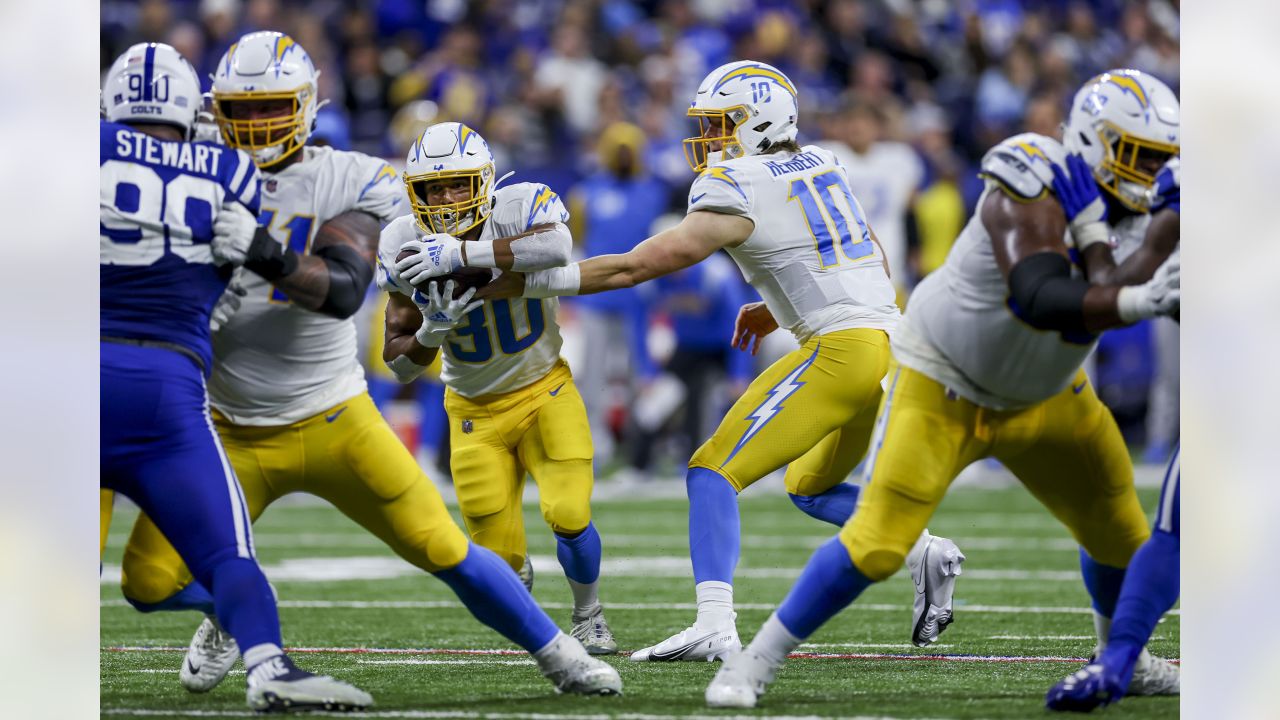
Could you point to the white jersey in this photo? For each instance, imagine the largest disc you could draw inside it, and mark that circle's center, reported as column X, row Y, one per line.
column 810, row 256
column 502, row 345
column 960, row 329
column 884, row 179
column 276, row 363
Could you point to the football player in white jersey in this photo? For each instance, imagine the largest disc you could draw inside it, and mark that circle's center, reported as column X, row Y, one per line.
column 288, row 393
column 786, row 216
column 988, row 365
column 510, row 397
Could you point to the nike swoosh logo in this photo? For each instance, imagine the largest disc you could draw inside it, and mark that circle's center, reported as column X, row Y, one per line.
column 331, row 418
column 679, row 652
column 557, row 390
column 693, row 200
column 1077, row 389
column 193, row 669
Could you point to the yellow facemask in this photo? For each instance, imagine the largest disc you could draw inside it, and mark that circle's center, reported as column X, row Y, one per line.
column 453, row 218
column 286, row 132
column 697, row 150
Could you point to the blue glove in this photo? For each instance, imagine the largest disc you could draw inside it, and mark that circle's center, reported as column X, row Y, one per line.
column 1081, row 201
column 1167, row 194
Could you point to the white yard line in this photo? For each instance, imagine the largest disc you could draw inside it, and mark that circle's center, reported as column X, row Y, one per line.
column 472, row 715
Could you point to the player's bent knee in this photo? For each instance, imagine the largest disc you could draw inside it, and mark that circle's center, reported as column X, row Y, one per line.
column 879, row 565
column 150, row 583
column 445, row 549
column 568, row 518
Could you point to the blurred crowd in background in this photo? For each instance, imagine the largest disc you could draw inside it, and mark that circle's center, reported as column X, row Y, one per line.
column 589, row 96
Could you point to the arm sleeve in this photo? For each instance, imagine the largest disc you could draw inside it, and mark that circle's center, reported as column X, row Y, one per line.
column 1044, row 295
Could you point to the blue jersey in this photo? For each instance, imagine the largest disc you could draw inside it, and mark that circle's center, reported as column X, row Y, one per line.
column 159, row 199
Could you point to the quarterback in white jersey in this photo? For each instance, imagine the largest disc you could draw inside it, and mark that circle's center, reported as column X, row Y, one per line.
column 512, row 404
column 786, row 216
column 988, row 365
column 288, row 394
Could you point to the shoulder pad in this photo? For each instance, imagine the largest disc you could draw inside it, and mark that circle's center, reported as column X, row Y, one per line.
column 722, row 188
column 1022, row 164
column 520, row 206
column 395, row 234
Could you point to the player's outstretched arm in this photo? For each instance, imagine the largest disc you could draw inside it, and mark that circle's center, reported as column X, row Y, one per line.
column 333, row 278
column 1027, row 241
column 1158, row 244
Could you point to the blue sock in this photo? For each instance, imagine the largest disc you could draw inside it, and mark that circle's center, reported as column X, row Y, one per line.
column 580, row 555
column 826, row 586
column 494, row 594
column 1150, row 589
column 1103, row 583
column 245, row 604
column 713, row 525
column 191, row 597
column 834, row 506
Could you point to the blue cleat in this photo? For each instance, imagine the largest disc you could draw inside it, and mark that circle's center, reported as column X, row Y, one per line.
column 1085, row 689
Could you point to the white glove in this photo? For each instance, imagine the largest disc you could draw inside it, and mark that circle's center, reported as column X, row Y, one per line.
column 438, row 254
column 1161, row 295
column 228, row 304
column 441, row 312
column 233, row 232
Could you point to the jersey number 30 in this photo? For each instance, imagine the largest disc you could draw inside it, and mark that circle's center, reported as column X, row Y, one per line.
column 476, row 332
column 817, row 195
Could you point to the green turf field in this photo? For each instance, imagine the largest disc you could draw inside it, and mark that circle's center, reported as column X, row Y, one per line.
column 1019, row 604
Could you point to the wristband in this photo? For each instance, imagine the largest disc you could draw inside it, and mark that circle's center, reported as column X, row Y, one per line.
column 268, row 258
column 429, row 339
column 1090, row 234
column 1130, row 302
column 479, row 254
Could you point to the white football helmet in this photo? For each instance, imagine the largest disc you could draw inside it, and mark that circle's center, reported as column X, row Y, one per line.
column 445, row 151
column 152, row 83
column 1126, row 126
column 744, row 106
column 266, row 66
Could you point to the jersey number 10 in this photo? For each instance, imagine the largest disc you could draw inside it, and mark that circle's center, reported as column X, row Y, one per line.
column 817, row 195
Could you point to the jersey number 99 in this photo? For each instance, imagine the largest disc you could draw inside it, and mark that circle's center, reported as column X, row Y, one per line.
column 142, row 213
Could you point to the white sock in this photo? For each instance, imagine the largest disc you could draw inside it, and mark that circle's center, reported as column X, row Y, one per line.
column 586, row 598
column 715, row 604
column 774, row 641
column 260, row 653
column 1101, row 626
column 555, row 653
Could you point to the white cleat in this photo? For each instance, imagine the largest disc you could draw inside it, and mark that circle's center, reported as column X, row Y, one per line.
column 934, row 563
column 594, row 633
column 298, row 691
column 1154, row 676
column 209, row 658
column 741, row 681
column 585, row 675
column 692, row 643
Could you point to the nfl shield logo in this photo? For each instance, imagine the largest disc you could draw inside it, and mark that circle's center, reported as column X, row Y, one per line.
column 467, row 426
column 270, row 185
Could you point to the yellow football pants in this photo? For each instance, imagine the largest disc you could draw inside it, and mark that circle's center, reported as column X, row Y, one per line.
column 347, row 455
column 1066, row 450
column 106, row 498
column 814, row 408
column 495, row 439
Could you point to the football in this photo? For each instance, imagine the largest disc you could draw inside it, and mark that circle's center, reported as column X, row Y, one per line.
column 463, row 279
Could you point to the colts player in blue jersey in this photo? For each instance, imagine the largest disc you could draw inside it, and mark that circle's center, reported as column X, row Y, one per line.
column 1150, row 586
column 166, row 203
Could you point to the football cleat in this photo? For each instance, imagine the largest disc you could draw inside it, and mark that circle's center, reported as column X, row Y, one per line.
column 526, row 574
column 585, row 675
column 934, row 563
column 1154, row 676
column 741, row 681
column 692, row 643
column 594, row 633
column 1085, row 689
column 209, row 658
column 277, row 685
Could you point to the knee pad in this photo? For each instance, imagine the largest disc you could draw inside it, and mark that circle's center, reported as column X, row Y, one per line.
column 879, row 565
column 150, row 583
column 568, row 517
column 446, row 548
